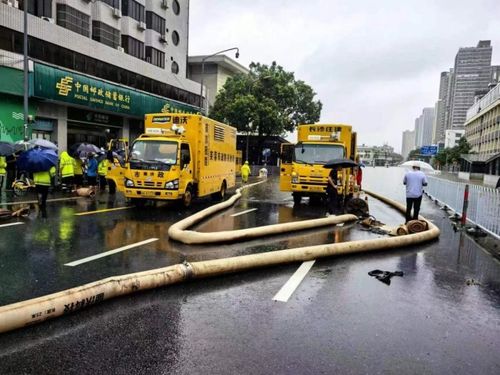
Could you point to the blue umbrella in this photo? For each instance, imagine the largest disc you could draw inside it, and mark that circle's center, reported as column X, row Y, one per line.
column 37, row 160
column 6, row 148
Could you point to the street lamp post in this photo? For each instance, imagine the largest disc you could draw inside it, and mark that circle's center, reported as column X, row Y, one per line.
column 250, row 127
column 25, row 69
column 203, row 71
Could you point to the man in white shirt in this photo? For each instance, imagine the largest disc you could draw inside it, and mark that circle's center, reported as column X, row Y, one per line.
column 415, row 181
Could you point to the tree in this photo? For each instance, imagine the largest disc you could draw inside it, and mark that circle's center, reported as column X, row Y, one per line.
column 450, row 155
column 268, row 101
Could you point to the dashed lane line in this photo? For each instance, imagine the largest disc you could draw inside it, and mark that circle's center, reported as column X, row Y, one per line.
column 287, row 290
column 110, row 252
column 244, row 212
column 10, row 224
column 35, row 201
column 103, row 210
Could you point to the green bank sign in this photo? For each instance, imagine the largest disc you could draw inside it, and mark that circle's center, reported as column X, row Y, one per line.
column 64, row 86
column 12, row 118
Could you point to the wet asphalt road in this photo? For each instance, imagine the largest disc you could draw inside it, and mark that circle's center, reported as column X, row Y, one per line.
column 339, row 320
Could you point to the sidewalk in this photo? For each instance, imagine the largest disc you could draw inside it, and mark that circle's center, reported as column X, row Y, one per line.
column 454, row 177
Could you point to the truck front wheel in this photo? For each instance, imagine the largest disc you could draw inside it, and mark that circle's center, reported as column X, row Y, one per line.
column 187, row 198
column 296, row 198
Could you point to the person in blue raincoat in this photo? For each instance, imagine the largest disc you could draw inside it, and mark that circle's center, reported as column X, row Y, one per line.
column 92, row 170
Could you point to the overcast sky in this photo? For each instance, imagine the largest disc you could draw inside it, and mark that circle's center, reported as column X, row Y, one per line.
column 373, row 64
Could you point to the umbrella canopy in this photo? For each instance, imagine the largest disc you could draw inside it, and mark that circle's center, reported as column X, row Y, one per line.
column 22, row 146
column 37, row 160
column 81, row 150
column 6, row 148
column 103, row 155
column 340, row 163
column 43, row 143
column 417, row 163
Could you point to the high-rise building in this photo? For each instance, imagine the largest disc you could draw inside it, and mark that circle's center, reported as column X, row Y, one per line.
column 418, row 132
column 442, row 107
column 472, row 76
column 408, row 143
column 95, row 67
column 423, row 127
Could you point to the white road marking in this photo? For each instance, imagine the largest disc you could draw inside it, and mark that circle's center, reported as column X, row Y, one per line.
column 287, row 290
column 110, row 252
column 244, row 212
column 10, row 224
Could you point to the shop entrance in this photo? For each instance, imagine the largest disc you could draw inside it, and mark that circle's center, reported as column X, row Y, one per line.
column 97, row 135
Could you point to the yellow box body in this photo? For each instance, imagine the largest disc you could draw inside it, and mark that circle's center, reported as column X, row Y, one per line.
column 211, row 147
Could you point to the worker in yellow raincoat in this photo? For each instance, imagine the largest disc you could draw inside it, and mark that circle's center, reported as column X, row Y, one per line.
column 102, row 170
column 245, row 172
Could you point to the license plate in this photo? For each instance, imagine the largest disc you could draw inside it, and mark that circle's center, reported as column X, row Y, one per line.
column 147, row 193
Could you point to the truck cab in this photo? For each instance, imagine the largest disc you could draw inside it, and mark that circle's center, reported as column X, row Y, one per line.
column 302, row 164
column 179, row 157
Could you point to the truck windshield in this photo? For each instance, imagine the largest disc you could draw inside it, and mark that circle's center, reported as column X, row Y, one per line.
column 317, row 153
column 154, row 151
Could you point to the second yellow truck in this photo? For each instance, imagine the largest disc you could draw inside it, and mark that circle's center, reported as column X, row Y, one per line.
column 301, row 167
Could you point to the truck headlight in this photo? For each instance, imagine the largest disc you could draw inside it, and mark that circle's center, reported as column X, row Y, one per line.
column 172, row 185
column 129, row 183
column 295, row 178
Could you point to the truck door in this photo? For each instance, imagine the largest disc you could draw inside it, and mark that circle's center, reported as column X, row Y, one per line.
column 287, row 150
column 186, row 166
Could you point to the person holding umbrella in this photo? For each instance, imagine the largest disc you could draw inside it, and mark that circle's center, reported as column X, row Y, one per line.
column 3, row 170
column 78, row 172
column 331, row 192
column 41, row 162
column 6, row 149
column 92, row 170
column 102, row 170
column 42, row 182
column 67, row 169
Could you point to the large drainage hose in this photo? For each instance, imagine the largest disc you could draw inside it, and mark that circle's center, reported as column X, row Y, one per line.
column 179, row 232
column 36, row 310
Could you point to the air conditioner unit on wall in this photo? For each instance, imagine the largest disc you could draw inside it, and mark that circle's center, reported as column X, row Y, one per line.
column 164, row 4
column 12, row 3
column 141, row 26
column 48, row 19
column 117, row 13
column 120, row 48
column 163, row 38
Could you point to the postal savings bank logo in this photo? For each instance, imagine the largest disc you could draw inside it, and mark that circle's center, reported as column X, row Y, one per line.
column 65, row 85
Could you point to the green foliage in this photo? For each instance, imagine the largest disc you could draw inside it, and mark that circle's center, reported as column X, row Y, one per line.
column 268, row 101
column 450, row 155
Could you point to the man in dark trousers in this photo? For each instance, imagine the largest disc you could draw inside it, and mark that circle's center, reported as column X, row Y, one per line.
column 331, row 191
column 415, row 181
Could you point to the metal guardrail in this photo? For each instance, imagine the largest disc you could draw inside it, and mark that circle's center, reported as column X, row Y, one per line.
column 484, row 202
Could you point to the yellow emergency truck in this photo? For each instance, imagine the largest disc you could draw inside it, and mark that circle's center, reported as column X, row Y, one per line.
column 301, row 164
column 180, row 157
column 116, row 170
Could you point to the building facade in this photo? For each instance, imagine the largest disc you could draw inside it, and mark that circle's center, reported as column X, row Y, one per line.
column 472, row 75
column 96, row 67
column 408, row 143
column 482, row 126
column 452, row 137
column 378, row 155
column 216, row 70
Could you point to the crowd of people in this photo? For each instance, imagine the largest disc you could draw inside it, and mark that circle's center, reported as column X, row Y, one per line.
column 69, row 174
